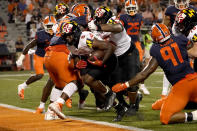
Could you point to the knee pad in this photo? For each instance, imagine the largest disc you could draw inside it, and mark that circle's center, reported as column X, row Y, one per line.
column 70, row 89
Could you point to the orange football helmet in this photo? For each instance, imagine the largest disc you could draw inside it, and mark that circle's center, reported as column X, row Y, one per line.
column 131, row 7
column 81, row 10
column 48, row 23
column 160, row 33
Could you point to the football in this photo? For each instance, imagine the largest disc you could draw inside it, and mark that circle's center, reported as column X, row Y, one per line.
column 98, row 53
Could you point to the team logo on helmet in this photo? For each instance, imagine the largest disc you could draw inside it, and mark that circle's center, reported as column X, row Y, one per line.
column 160, row 33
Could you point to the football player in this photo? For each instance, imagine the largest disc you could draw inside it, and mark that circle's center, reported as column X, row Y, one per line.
column 132, row 22
column 81, row 17
column 170, row 53
column 95, row 71
column 169, row 19
column 42, row 41
column 185, row 24
column 106, row 25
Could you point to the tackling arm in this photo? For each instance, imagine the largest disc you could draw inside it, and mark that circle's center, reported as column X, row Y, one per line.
column 19, row 62
column 141, row 76
column 104, row 45
column 114, row 28
column 31, row 44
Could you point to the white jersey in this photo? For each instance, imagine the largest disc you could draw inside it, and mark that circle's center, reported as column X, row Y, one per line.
column 121, row 40
column 86, row 41
column 193, row 34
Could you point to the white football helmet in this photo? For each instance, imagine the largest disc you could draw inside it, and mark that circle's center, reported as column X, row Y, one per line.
column 131, row 7
column 181, row 4
column 48, row 23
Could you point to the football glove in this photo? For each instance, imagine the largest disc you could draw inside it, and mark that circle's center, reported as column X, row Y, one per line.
column 81, row 64
column 120, row 87
column 93, row 27
column 19, row 62
column 96, row 62
column 31, row 51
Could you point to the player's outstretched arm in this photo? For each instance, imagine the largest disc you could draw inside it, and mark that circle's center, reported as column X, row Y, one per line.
column 19, row 62
column 141, row 76
column 30, row 45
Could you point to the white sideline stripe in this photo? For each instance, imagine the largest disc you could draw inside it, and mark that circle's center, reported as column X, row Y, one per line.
column 22, row 80
column 81, row 119
column 26, row 74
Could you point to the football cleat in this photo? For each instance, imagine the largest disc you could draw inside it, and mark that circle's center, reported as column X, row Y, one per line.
column 57, row 109
column 69, row 103
column 121, row 110
column 21, row 88
column 83, row 95
column 40, row 110
column 50, row 115
column 144, row 90
column 110, row 98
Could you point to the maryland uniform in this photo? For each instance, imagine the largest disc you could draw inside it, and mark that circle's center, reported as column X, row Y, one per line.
column 43, row 39
column 99, row 73
column 172, row 57
column 193, row 34
column 172, row 11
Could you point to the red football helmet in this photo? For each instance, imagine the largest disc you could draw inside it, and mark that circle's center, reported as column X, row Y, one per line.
column 131, row 7
column 160, row 33
column 48, row 23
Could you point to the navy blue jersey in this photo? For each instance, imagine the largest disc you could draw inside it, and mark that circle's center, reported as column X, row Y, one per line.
column 57, row 39
column 43, row 40
column 132, row 25
column 172, row 11
column 172, row 57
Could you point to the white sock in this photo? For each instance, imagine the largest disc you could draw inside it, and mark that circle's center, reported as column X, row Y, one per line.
column 166, row 84
column 60, row 100
column 194, row 113
column 42, row 105
column 24, row 85
column 141, row 85
column 185, row 117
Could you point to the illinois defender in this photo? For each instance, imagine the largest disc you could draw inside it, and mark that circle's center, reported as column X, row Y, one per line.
column 42, row 41
column 132, row 22
column 170, row 53
column 169, row 19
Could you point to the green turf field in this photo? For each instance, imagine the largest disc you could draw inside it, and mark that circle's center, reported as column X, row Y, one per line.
column 146, row 118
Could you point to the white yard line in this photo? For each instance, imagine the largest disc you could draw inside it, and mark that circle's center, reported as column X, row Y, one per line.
column 81, row 119
column 26, row 74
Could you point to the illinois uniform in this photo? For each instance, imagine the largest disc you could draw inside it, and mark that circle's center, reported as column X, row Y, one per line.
column 172, row 57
